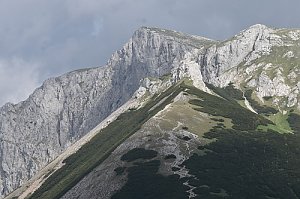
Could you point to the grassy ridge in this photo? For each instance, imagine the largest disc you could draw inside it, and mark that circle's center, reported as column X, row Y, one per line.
column 242, row 118
column 100, row 147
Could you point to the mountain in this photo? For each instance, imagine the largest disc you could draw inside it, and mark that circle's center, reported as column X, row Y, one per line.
column 164, row 103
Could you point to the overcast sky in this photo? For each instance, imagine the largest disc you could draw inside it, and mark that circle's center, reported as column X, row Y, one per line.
column 45, row 38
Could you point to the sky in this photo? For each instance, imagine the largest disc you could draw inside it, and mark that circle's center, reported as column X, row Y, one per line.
column 46, row 38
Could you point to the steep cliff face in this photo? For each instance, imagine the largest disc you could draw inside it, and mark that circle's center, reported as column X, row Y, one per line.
column 259, row 58
column 63, row 109
column 244, row 47
column 34, row 132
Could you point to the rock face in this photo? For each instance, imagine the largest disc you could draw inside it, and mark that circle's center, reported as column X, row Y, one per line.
column 63, row 109
column 263, row 59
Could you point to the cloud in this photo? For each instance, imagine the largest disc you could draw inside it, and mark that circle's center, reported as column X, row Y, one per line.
column 97, row 26
column 18, row 78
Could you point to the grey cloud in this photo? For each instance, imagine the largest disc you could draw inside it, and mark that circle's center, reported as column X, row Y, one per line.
column 61, row 35
column 18, row 79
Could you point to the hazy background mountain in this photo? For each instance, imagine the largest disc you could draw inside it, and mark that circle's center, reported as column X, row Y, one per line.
column 41, row 39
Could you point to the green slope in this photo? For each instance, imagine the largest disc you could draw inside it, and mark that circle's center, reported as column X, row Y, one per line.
column 240, row 162
column 240, row 155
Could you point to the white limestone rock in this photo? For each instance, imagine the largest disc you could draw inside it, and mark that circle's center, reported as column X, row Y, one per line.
column 294, row 35
column 245, row 47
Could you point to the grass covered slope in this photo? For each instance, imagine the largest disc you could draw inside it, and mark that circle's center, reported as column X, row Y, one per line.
column 244, row 162
column 240, row 161
column 248, row 165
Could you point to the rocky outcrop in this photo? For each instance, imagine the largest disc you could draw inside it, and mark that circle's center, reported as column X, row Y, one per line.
column 245, row 47
column 35, row 131
column 259, row 58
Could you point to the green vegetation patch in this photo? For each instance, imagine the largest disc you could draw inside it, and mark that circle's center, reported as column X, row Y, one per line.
column 257, row 107
column 144, row 182
column 280, row 125
column 229, row 92
column 267, row 98
column 185, row 138
column 247, row 165
column 170, row 157
column 175, row 169
column 294, row 121
column 242, row 118
column 138, row 153
column 217, row 120
column 119, row 170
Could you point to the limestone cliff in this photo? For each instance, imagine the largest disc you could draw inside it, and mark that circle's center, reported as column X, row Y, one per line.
column 259, row 58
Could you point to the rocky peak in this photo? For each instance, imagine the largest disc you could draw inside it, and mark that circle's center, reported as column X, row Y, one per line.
column 158, row 52
column 65, row 108
column 257, row 28
column 258, row 58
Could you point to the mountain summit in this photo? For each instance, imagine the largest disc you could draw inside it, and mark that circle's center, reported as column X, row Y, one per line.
column 194, row 117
